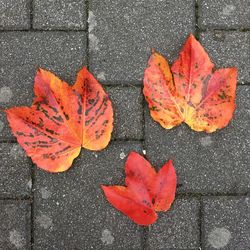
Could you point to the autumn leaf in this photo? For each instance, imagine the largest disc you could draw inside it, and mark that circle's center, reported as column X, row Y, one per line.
column 198, row 94
column 62, row 119
column 146, row 191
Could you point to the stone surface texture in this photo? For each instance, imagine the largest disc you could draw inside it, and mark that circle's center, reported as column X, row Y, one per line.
column 128, row 112
column 15, row 14
column 15, row 225
column 59, row 14
column 226, row 223
column 229, row 49
column 135, row 27
column 15, row 171
column 177, row 229
column 224, row 14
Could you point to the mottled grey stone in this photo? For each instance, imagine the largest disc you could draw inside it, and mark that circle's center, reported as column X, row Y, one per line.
column 15, row 225
column 122, row 34
column 59, row 14
column 226, row 223
column 71, row 211
column 206, row 163
column 229, row 49
column 177, row 228
column 224, row 14
column 128, row 112
column 14, row 14
column 23, row 52
column 15, row 176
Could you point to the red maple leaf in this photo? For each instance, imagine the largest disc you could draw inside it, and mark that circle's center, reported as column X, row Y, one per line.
column 146, row 191
column 198, row 94
column 62, row 119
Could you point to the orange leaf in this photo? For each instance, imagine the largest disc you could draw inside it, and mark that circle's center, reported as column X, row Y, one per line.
column 62, row 119
column 146, row 191
column 197, row 94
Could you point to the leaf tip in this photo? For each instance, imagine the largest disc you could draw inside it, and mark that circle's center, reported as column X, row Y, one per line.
column 84, row 71
column 191, row 35
column 153, row 50
column 40, row 70
column 170, row 164
column 192, row 38
column 234, row 70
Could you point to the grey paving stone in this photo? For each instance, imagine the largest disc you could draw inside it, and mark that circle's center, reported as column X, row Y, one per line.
column 122, row 34
column 226, row 223
column 177, row 228
column 15, row 225
column 224, row 14
column 128, row 112
column 206, row 163
column 71, row 211
column 229, row 49
column 22, row 53
column 14, row 14
column 59, row 14
column 15, row 176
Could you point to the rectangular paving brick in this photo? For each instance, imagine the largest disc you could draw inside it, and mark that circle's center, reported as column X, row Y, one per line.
column 226, row 223
column 128, row 112
column 177, row 228
column 23, row 52
column 15, row 175
column 224, row 14
column 14, row 14
column 15, row 225
column 229, row 49
column 206, row 163
column 59, row 14
column 71, row 211
column 122, row 34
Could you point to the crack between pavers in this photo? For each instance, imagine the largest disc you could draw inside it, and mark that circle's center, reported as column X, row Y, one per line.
column 32, row 172
column 215, row 194
column 224, row 29
column 87, row 34
column 196, row 13
column 201, row 223
column 143, row 106
column 178, row 195
column 43, row 30
column 16, row 198
column 144, row 239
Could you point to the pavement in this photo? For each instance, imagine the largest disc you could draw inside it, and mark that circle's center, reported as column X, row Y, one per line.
column 114, row 38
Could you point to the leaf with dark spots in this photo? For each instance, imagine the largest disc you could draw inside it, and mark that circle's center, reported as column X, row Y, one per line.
column 146, row 191
column 193, row 91
column 53, row 130
column 96, row 108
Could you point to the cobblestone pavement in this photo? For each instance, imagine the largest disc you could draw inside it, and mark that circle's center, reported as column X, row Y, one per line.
column 114, row 38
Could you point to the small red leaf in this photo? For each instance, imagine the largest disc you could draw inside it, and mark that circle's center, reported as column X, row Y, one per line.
column 165, row 187
column 124, row 200
column 147, row 191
